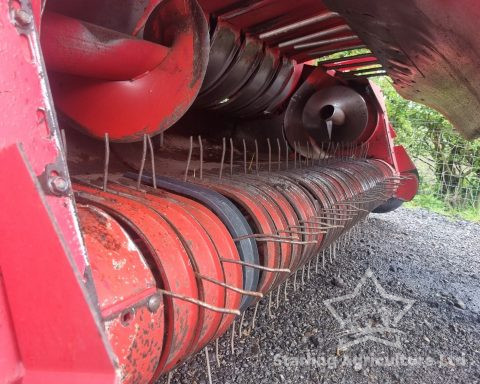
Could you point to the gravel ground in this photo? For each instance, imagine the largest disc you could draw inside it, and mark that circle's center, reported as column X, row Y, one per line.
column 413, row 254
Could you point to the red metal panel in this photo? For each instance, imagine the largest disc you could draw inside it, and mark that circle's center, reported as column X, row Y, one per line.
column 57, row 330
column 27, row 113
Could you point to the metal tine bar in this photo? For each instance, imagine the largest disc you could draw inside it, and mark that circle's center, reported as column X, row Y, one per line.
column 240, row 326
column 106, row 162
column 256, row 156
column 351, row 206
column 277, row 298
column 286, row 154
column 318, row 224
column 321, row 218
column 244, row 157
column 232, row 338
column 255, row 266
column 261, row 235
column 189, row 159
column 307, row 233
column 199, row 303
column 255, row 314
column 269, row 155
column 279, row 154
column 295, row 158
column 271, row 238
column 308, row 152
column 162, row 139
column 337, row 211
column 270, row 305
column 222, row 162
column 217, row 357
column 152, row 159
column 231, row 157
column 209, row 372
column 230, row 287
column 200, row 145
column 142, row 164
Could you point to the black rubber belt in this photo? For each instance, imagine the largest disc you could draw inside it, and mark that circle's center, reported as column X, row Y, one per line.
column 229, row 214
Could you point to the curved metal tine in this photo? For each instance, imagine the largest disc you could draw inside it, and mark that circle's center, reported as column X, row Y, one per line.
column 217, row 355
column 269, row 155
column 255, row 315
column 329, row 149
column 308, row 152
column 209, row 372
column 222, row 162
column 277, row 298
column 162, row 139
column 152, row 159
column 351, row 206
column 295, row 158
column 270, row 305
column 169, row 377
column 106, row 162
column 189, row 159
column 231, row 157
column 255, row 266
column 142, row 164
column 279, row 155
column 200, row 145
column 337, row 210
column 272, row 238
column 230, row 287
column 198, row 302
column 244, row 157
column 299, row 156
column 285, row 291
column 318, row 222
column 232, row 338
column 286, row 154
column 240, row 333
column 305, row 233
column 256, row 157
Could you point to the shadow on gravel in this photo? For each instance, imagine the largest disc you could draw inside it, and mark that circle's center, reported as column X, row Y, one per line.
column 413, row 255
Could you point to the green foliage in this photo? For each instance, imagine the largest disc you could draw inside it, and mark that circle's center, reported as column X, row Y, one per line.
column 449, row 166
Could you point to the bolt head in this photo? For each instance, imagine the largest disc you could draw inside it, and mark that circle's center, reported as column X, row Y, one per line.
column 23, row 18
column 154, row 303
column 59, row 185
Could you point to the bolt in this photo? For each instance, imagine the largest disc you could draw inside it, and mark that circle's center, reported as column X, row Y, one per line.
column 154, row 303
column 23, row 18
column 58, row 185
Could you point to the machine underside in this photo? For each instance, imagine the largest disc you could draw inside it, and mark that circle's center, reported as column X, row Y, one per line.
column 168, row 164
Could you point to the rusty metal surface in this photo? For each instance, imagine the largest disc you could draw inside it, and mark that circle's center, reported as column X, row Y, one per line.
column 172, row 269
column 128, row 109
column 429, row 48
column 124, row 285
column 203, row 256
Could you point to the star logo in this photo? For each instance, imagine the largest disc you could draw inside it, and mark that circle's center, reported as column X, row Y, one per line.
column 369, row 313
